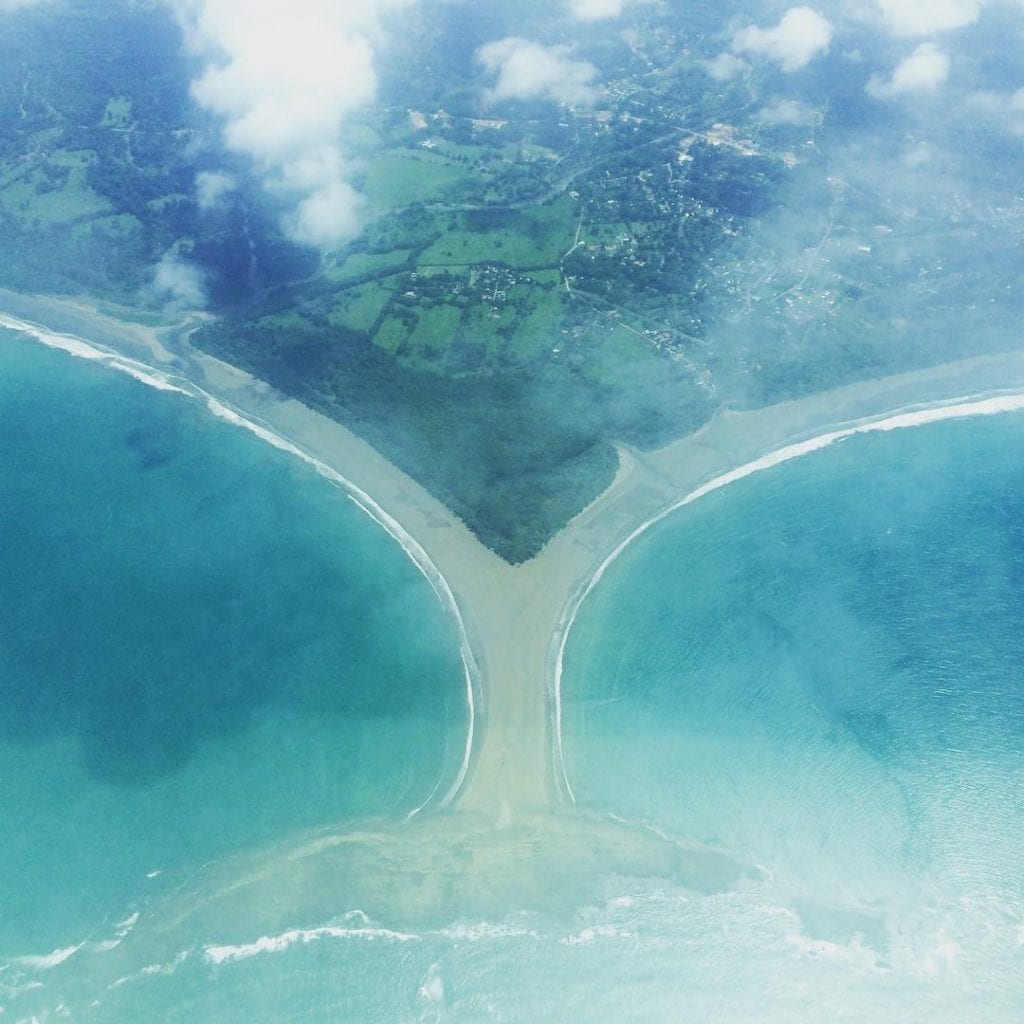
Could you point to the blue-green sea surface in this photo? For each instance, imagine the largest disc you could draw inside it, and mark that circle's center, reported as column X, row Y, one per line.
column 204, row 647
column 821, row 668
column 817, row 668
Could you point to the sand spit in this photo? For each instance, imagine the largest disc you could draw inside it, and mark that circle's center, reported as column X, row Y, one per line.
column 516, row 618
column 163, row 380
column 969, row 407
column 435, row 870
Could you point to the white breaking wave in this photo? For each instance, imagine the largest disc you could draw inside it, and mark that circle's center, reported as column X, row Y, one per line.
column 153, row 970
column 122, row 928
column 961, row 408
column 465, row 932
column 218, row 955
column 15, row 991
column 599, row 931
column 81, row 349
column 854, row 954
column 50, row 960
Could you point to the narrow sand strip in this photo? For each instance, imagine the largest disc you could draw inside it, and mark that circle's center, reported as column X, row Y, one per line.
column 514, row 620
column 960, row 409
column 84, row 350
column 161, row 381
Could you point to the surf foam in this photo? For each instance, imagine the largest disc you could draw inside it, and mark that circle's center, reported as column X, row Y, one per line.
column 218, row 955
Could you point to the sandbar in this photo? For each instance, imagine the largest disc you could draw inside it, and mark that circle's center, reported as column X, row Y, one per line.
column 515, row 618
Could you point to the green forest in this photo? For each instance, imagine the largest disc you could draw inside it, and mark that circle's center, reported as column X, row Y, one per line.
column 530, row 283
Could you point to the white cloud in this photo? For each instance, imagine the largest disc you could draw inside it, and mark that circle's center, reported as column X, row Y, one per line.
column 800, row 36
column 923, row 17
column 285, row 75
column 179, row 283
column 330, row 212
column 1005, row 109
column 525, row 70
column 788, row 112
column 212, row 186
column 14, row 5
column 920, row 154
column 725, row 66
column 923, row 71
column 596, row 10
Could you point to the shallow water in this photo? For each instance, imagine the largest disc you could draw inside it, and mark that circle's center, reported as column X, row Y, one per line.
column 816, row 669
column 820, row 668
column 197, row 650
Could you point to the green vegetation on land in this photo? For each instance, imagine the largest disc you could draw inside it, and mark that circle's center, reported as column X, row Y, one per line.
column 532, row 284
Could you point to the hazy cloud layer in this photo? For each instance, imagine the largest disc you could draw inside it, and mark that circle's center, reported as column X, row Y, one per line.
column 212, row 186
column 923, row 71
column 1005, row 109
column 285, row 75
column 525, row 70
column 800, row 36
column 725, row 66
column 179, row 283
column 923, row 17
column 788, row 112
column 596, row 10
column 14, row 5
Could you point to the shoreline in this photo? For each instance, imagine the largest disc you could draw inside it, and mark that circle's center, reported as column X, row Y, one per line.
column 965, row 407
column 513, row 621
column 160, row 380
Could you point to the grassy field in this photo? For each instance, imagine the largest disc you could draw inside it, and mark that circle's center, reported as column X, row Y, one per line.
column 391, row 335
column 52, row 191
column 539, row 332
column 443, row 333
column 399, row 177
column 361, row 264
column 533, row 237
column 360, row 308
column 465, row 248
column 430, row 338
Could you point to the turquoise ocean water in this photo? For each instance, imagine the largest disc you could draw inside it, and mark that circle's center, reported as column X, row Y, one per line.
column 819, row 668
column 197, row 654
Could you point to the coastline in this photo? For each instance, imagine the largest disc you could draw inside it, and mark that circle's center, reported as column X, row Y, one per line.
column 963, row 408
column 162, row 381
column 514, row 620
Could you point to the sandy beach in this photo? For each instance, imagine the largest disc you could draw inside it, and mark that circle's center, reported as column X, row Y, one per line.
column 516, row 618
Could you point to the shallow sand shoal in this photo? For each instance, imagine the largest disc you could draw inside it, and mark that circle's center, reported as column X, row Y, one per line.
column 516, row 617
